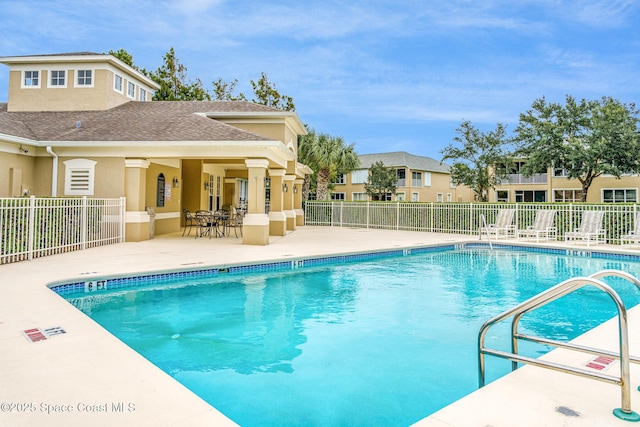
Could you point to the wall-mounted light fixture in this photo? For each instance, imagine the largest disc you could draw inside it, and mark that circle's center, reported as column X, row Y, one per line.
column 176, row 182
column 285, row 188
column 206, row 185
column 295, row 190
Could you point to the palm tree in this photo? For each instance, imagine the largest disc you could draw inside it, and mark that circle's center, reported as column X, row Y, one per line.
column 326, row 154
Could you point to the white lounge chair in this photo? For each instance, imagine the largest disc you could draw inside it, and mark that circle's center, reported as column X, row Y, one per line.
column 590, row 229
column 633, row 236
column 542, row 227
column 503, row 225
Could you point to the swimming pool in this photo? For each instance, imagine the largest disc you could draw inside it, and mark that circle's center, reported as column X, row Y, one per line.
column 385, row 341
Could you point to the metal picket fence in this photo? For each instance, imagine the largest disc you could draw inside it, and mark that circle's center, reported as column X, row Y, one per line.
column 463, row 218
column 36, row 227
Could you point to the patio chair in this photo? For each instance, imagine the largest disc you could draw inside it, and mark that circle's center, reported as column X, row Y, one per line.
column 503, row 225
column 542, row 227
column 189, row 221
column 590, row 229
column 206, row 223
column 633, row 236
column 236, row 220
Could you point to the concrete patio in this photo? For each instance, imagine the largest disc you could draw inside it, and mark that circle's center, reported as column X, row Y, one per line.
column 88, row 377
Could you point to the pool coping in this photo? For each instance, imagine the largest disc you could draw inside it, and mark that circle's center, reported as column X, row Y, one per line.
column 55, row 371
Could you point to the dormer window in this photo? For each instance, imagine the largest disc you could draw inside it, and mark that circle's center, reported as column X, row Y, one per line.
column 31, row 79
column 85, row 78
column 57, row 78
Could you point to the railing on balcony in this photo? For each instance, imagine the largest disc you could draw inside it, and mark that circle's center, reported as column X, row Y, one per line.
column 462, row 218
column 518, row 178
column 401, row 182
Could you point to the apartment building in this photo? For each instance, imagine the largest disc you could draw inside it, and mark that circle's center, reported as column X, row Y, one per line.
column 420, row 179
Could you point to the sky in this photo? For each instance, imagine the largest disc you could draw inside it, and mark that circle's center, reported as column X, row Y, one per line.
column 397, row 75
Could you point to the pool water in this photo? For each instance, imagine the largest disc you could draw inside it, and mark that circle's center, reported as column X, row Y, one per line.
column 384, row 342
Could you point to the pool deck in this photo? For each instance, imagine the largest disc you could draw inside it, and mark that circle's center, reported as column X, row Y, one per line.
column 88, row 377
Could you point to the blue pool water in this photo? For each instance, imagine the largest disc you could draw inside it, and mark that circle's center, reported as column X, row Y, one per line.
column 383, row 342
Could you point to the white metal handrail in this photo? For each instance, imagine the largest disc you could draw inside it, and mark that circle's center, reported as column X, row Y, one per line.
column 553, row 294
column 486, row 230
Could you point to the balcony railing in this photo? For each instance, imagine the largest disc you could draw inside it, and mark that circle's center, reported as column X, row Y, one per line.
column 518, row 178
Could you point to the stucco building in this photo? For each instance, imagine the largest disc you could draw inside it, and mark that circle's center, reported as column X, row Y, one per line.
column 420, row 179
column 84, row 124
column 554, row 186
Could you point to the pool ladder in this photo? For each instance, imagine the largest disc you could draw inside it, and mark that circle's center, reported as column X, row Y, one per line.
column 552, row 294
column 486, row 230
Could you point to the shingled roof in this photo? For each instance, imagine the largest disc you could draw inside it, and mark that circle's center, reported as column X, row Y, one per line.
column 403, row 159
column 136, row 121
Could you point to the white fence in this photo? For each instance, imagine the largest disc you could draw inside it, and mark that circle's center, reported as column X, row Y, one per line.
column 462, row 218
column 36, row 227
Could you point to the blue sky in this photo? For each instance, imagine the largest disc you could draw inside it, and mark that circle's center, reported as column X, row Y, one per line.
column 385, row 75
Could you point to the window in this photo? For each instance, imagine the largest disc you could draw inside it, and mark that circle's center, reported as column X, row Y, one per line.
column 160, row 183
column 530, row 196
column 415, row 197
column 79, row 177
column 131, row 90
column 340, row 179
column 560, row 173
column 384, row 198
column 402, row 177
column 85, row 78
column 57, row 78
column 359, row 176
column 440, row 198
column 502, row 195
column 359, row 197
column 117, row 83
column 338, row 196
column 143, row 95
column 416, row 179
column 31, row 79
column 400, row 197
column 427, row 179
column 567, row 195
column 619, row 195
column 449, row 197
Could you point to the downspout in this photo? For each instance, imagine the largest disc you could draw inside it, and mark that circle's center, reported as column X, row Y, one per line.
column 54, row 173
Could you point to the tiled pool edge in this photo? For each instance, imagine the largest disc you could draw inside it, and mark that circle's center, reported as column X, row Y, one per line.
column 106, row 283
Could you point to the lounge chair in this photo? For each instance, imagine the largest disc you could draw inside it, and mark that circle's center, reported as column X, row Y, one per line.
column 503, row 225
column 633, row 236
column 542, row 227
column 590, row 229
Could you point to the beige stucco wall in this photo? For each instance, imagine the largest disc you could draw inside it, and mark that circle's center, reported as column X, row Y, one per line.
column 274, row 131
column 18, row 175
column 100, row 96
column 594, row 194
column 167, row 219
column 439, row 184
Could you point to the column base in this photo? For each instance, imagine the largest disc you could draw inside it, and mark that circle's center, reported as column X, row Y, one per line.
column 255, row 229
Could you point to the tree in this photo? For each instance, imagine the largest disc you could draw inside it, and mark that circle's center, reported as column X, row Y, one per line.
column 586, row 139
column 174, row 85
column 326, row 155
column 267, row 94
column 482, row 162
column 123, row 56
column 224, row 91
column 381, row 181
